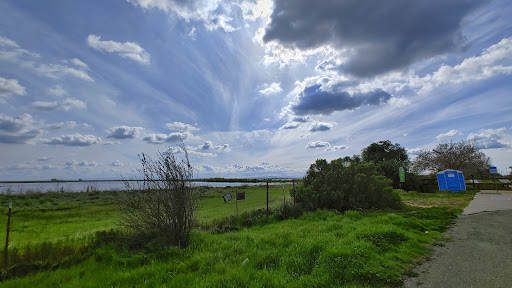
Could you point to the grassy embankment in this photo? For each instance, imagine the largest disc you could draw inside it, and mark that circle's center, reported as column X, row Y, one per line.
column 357, row 249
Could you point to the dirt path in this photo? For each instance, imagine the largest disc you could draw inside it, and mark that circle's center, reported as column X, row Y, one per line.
column 478, row 252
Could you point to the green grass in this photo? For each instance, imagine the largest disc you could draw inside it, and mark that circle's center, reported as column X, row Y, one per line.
column 68, row 217
column 317, row 250
column 57, row 217
column 214, row 208
column 55, row 234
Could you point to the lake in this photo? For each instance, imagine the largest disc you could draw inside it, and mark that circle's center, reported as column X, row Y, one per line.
column 18, row 188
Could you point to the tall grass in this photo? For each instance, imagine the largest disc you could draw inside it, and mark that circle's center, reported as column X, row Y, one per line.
column 57, row 234
column 321, row 249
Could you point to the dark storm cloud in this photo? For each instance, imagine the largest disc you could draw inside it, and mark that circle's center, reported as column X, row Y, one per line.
column 385, row 35
column 316, row 101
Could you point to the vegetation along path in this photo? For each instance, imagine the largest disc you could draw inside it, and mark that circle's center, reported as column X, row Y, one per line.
column 478, row 250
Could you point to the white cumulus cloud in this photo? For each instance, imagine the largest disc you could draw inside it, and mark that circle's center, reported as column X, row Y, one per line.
column 73, row 140
column 179, row 126
column 273, row 88
column 10, row 87
column 124, row 132
column 318, row 144
column 448, row 134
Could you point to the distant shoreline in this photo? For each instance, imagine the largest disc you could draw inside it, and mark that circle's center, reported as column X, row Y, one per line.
column 249, row 180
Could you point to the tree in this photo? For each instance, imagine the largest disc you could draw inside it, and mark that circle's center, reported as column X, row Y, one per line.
column 463, row 156
column 388, row 158
column 344, row 184
column 162, row 206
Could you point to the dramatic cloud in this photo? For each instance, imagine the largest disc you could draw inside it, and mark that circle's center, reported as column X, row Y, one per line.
column 17, row 130
column 378, row 36
column 206, row 11
column 313, row 100
column 9, row 87
column 318, row 144
column 166, row 138
column 272, row 89
column 179, row 126
column 320, row 126
column 74, row 140
column 448, row 134
column 129, row 50
column 65, row 105
column 124, row 132
column 490, row 138
column 495, row 60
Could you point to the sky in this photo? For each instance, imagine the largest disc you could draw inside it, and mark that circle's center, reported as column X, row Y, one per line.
column 253, row 88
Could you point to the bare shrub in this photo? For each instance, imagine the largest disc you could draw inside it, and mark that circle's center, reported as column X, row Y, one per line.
column 162, row 205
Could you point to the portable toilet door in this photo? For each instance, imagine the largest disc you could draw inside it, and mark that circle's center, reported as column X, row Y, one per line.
column 452, row 180
column 462, row 182
column 441, row 180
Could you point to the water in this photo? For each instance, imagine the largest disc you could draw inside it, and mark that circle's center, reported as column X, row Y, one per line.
column 18, row 188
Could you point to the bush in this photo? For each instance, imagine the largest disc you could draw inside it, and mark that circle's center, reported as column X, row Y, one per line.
column 344, row 185
column 289, row 211
column 162, row 208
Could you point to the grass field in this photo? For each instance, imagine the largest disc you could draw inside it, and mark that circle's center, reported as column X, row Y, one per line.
column 57, row 217
column 355, row 249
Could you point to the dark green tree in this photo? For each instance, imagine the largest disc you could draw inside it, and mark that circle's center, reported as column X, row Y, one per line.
column 388, row 158
column 344, row 184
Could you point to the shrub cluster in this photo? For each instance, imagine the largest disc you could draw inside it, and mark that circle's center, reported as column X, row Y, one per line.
column 344, row 184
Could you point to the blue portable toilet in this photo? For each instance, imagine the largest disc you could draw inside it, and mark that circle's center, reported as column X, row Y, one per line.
column 452, row 180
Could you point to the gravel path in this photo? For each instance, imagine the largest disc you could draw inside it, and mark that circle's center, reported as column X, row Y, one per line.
column 478, row 252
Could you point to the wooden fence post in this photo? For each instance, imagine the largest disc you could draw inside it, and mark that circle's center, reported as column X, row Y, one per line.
column 284, row 197
column 267, row 200
column 7, row 236
column 293, row 182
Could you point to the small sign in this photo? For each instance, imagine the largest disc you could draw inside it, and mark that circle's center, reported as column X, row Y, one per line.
column 240, row 195
column 401, row 172
column 493, row 170
column 227, row 198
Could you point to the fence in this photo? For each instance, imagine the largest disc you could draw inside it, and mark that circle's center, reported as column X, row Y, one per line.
column 220, row 203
